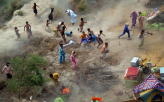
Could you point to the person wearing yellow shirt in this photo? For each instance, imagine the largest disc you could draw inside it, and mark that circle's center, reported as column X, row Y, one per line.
column 83, row 38
column 55, row 77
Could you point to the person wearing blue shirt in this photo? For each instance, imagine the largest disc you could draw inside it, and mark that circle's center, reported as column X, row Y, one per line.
column 68, row 33
column 126, row 30
column 61, row 52
column 92, row 38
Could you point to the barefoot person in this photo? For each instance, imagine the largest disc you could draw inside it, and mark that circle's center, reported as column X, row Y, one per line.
column 17, row 33
column 7, row 71
column 73, row 16
column 140, row 19
column 90, row 31
column 104, row 50
column 47, row 26
column 134, row 16
column 126, row 30
column 83, row 38
column 34, row 8
column 73, row 60
column 100, row 41
column 81, row 25
column 55, row 78
column 141, row 37
column 28, row 30
column 63, row 33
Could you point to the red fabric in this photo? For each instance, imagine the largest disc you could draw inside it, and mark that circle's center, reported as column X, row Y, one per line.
column 132, row 73
column 96, row 98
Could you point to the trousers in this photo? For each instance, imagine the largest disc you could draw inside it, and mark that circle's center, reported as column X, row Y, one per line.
column 126, row 32
column 62, row 58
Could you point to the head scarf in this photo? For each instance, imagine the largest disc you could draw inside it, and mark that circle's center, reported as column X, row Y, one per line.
column 134, row 11
column 96, row 98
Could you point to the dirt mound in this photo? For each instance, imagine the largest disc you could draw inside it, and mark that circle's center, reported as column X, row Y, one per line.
column 97, row 79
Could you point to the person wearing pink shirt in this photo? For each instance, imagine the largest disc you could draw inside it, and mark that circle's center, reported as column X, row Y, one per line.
column 73, row 60
column 7, row 71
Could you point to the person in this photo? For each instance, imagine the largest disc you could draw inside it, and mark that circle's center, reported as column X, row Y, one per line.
column 90, row 31
column 55, row 78
column 7, row 71
column 61, row 52
column 81, row 25
column 126, row 30
column 34, row 8
column 141, row 37
column 56, row 31
column 140, row 19
column 73, row 16
column 63, row 33
column 17, row 33
column 47, row 26
column 92, row 38
column 63, row 25
column 104, row 50
column 73, row 60
column 83, row 38
column 28, row 30
column 100, row 41
column 96, row 99
column 69, row 33
column 134, row 16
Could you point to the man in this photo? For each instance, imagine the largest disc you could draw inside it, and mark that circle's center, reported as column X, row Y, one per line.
column 81, row 25
column 28, row 30
column 100, row 41
column 90, row 31
column 83, row 38
column 140, row 19
column 126, row 30
column 104, row 50
column 34, row 8
column 92, row 38
column 141, row 37
column 55, row 77
column 63, row 33
column 73, row 16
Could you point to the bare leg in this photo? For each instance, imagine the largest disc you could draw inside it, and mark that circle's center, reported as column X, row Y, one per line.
column 84, row 45
column 80, row 44
column 81, row 28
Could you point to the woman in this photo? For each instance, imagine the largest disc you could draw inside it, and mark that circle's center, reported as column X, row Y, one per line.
column 140, row 19
column 134, row 16
column 7, row 71
column 73, row 60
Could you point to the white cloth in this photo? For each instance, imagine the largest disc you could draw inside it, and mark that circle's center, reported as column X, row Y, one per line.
column 73, row 16
column 70, row 42
column 142, row 38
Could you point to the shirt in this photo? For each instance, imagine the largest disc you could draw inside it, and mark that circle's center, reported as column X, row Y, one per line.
column 126, row 28
column 6, row 70
column 61, row 51
column 83, row 36
column 142, row 38
column 55, row 75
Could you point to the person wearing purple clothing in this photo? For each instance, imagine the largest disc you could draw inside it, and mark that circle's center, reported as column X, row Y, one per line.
column 134, row 16
column 83, row 38
column 126, row 30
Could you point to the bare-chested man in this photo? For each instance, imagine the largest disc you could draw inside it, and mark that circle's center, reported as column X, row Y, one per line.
column 28, row 30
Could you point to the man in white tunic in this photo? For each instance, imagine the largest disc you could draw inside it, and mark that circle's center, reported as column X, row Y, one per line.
column 141, row 37
column 73, row 16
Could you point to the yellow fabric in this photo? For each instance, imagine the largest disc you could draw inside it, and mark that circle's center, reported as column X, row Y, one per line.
column 152, row 95
column 83, row 36
column 142, row 93
column 56, row 31
column 55, row 78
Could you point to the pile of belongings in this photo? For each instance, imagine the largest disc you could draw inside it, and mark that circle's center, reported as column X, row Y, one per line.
column 150, row 90
column 153, row 14
column 132, row 73
column 155, row 26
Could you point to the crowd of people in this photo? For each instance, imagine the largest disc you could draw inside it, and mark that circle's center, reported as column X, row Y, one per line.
column 85, row 38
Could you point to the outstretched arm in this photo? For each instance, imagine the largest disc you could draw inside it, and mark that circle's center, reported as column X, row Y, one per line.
column 37, row 6
column 103, row 34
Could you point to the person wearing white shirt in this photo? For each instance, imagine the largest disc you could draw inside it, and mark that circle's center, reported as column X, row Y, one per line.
column 141, row 37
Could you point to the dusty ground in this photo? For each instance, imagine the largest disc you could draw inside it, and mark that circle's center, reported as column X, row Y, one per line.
column 92, row 77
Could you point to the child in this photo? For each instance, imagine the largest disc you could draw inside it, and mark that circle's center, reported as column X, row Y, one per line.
column 47, row 26
column 34, row 8
column 16, row 31
column 73, row 60
column 83, row 38
column 100, row 41
column 63, row 34
column 81, row 25
column 92, row 38
column 69, row 33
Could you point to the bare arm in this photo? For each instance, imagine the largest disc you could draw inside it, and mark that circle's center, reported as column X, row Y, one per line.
column 103, row 34
column 37, row 6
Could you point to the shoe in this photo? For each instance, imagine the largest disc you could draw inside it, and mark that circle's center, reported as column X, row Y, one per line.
column 129, row 38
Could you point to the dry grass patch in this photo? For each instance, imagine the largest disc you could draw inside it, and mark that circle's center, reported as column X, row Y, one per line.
column 58, row 13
